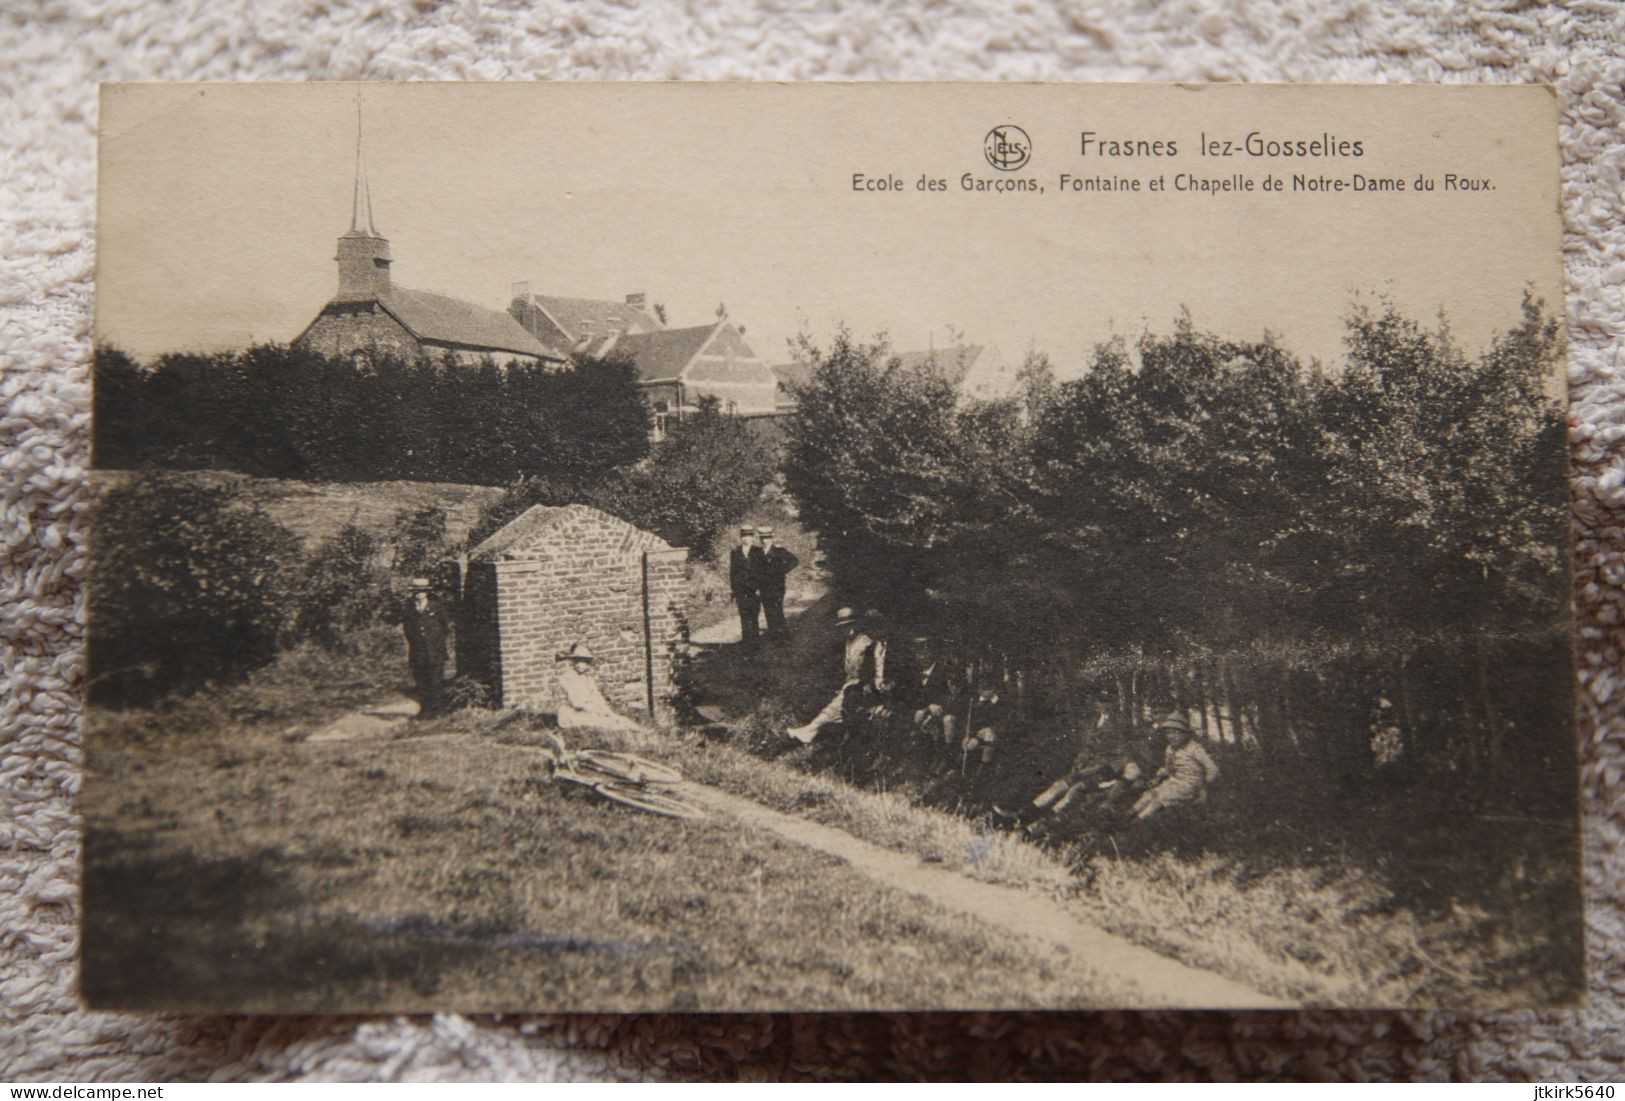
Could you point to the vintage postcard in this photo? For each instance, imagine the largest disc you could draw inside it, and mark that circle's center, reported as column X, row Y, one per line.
column 832, row 547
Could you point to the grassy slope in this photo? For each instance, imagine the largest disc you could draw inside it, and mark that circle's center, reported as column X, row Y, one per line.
column 230, row 865
column 1324, row 932
column 317, row 510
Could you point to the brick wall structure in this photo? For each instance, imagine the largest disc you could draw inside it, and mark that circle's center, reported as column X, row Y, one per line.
column 557, row 576
column 345, row 328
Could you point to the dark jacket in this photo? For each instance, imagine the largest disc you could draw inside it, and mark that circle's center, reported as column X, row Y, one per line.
column 775, row 565
column 745, row 573
column 426, row 633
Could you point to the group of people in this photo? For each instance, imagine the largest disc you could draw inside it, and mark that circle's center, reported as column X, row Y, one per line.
column 757, row 571
column 967, row 741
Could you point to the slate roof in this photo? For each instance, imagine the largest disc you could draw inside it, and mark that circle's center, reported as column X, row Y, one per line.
column 661, row 356
column 588, row 317
column 446, row 320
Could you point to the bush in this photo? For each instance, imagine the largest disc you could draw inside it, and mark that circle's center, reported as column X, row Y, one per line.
column 418, row 539
column 189, row 585
column 340, row 589
column 698, row 481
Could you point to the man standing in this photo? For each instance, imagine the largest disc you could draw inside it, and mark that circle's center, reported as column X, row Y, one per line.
column 777, row 562
column 744, row 582
column 863, row 663
column 426, row 634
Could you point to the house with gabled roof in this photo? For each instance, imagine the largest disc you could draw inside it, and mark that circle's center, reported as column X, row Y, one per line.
column 677, row 368
column 575, row 323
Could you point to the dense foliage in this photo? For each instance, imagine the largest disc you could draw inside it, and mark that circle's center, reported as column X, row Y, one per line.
column 190, row 585
column 1199, row 507
column 287, row 412
column 703, row 476
column 196, row 583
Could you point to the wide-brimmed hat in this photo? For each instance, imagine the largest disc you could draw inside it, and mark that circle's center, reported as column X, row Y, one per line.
column 765, row 533
column 578, row 652
column 846, row 617
column 422, row 585
column 747, row 530
column 1173, row 722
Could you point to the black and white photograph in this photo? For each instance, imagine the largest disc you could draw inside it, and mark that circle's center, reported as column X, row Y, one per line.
column 718, row 548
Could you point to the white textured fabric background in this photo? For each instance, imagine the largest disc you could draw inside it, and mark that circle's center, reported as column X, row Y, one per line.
column 52, row 54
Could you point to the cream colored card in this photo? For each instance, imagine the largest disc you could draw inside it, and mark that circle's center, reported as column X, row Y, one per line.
column 1156, row 588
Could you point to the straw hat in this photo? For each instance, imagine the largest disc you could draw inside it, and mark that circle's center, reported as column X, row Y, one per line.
column 578, row 652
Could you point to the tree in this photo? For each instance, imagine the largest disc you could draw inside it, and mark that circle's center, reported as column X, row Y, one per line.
column 702, row 477
column 1035, row 383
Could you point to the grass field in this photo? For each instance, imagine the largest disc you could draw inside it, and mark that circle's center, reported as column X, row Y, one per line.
column 232, row 865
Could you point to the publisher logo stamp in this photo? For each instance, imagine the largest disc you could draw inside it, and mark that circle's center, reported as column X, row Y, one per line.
column 1007, row 148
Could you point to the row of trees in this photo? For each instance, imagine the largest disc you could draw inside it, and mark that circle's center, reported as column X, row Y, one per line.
column 288, row 412
column 1193, row 502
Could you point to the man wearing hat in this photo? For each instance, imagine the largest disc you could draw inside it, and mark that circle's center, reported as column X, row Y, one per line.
column 1187, row 770
column 745, row 584
column 863, row 662
column 581, row 702
column 427, row 630
column 776, row 564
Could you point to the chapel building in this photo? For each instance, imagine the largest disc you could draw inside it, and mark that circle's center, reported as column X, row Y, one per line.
column 371, row 316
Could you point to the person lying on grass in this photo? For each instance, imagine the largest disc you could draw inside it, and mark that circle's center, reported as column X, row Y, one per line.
column 581, row 702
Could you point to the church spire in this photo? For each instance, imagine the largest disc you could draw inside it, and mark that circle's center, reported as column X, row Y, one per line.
column 361, row 214
column 363, row 255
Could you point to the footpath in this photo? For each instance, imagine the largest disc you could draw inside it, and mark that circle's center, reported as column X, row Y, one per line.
column 1138, row 976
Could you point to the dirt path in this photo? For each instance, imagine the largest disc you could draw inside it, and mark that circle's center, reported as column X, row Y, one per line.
column 1141, row 977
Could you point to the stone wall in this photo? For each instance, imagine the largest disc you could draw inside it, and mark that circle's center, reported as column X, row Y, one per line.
column 344, row 328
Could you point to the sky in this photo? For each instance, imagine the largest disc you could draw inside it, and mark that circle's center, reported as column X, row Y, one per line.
column 219, row 206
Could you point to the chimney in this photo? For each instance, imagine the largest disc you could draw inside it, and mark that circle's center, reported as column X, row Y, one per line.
column 637, row 301
column 521, row 290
